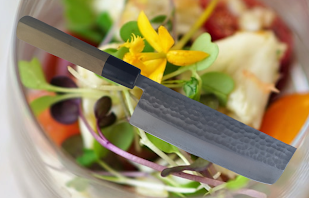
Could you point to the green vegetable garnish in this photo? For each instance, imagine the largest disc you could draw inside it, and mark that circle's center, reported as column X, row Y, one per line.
column 219, row 84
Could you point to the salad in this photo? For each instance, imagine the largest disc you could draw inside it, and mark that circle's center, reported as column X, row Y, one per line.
column 231, row 55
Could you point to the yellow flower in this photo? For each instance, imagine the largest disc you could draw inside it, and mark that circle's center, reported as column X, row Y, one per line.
column 153, row 64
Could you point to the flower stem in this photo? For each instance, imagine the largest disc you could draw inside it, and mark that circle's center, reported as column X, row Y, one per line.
column 109, row 169
column 205, row 15
column 173, row 85
column 183, row 158
column 178, row 71
column 75, row 90
column 173, row 81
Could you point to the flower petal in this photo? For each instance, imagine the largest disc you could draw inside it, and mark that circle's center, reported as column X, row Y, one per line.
column 157, row 74
column 136, row 45
column 146, row 56
column 185, row 57
column 148, row 32
column 133, row 60
column 167, row 40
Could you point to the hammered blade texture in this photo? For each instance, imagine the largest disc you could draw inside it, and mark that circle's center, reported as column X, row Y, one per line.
column 212, row 126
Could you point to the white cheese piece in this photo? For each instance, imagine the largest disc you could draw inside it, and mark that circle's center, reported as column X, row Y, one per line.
column 256, row 19
column 249, row 52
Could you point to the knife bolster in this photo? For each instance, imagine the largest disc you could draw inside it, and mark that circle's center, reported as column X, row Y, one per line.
column 120, row 72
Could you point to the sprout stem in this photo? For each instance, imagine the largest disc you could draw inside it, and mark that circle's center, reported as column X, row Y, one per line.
column 201, row 20
column 144, row 139
column 129, row 156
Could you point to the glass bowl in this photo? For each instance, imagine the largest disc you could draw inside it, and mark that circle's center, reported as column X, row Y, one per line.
column 43, row 170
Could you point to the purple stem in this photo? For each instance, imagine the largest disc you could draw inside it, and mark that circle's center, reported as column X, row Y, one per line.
column 104, row 142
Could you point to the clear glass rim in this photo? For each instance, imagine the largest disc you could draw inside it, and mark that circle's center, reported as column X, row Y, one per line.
column 60, row 152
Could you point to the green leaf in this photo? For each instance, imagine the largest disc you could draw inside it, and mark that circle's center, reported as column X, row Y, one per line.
column 88, row 158
column 32, row 75
column 191, row 89
column 117, row 53
column 158, row 20
column 40, row 104
column 104, row 22
column 170, row 68
column 79, row 14
column 128, row 29
column 203, row 43
column 162, row 145
column 195, row 184
column 121, row 135
column 78, row 183
column 90, row 34
column 132, row 27
column 82, row 20
column 210, row 100
column 219, row 84
column 111, row 51
column 238, row 183
column 121, row 52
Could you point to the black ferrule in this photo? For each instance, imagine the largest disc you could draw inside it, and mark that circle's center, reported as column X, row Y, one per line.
column 120, row 72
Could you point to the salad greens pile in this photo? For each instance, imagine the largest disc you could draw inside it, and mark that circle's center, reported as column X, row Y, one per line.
column 122, row 153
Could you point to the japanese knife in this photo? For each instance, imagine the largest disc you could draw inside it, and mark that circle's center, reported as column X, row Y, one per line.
column 168, row 115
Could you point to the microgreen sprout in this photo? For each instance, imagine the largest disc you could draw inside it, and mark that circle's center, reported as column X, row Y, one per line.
column 102, row 108
column 65, row 111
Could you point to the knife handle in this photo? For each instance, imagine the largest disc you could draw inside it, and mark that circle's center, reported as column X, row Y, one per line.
column 65, row 46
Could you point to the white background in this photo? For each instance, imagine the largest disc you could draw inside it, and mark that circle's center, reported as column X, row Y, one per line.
column 8, row 188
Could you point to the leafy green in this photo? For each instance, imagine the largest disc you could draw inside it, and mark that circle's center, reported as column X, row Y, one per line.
column 117, row 53
column 111, row 51
column 191, row 89
column 170, row 68
column 158, row 20
column 128, row 29
column 104, row 21
column 32, row 75
column 121, row 135
column 203, row 43
column 79, row 14
column 73, row 145
column 237, row 183
column 132, row 27
column 162, row 145
column 82, row 20
column 210, row 100
column 194, row 184
column 90, row 34
column 121, row 52
column 88, row 158
column 219, row 84
column 40, row 104
column 78, row 183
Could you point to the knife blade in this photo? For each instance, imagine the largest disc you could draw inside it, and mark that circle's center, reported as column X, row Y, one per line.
column 167, row 114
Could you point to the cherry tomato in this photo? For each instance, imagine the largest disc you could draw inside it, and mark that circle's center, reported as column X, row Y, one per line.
column 286, row 116
column 222, row 22
column 56, row 131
